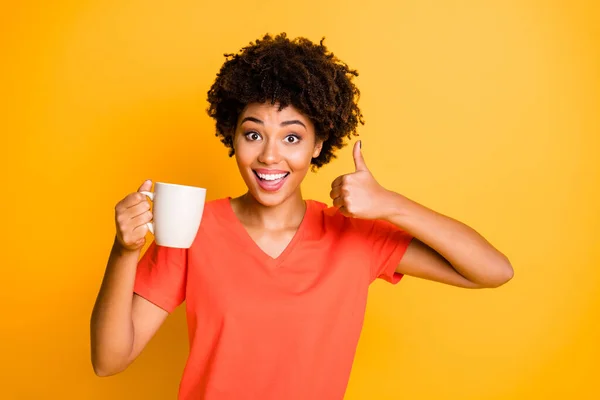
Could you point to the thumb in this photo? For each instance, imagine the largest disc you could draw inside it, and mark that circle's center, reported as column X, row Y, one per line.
column 359, row 161
column 146, row 186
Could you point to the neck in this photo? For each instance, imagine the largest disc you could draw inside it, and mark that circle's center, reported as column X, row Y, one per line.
column 288, row 213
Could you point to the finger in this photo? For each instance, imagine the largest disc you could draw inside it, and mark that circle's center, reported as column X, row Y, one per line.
column 344, row 211
column 133, row 200
column 139, row 222
column 136, row 237
column 338, row 202
column 335, row 192
column 359, row 161
column 140, row 232
column 138, row 209
column 146, row 186
column 338, row 181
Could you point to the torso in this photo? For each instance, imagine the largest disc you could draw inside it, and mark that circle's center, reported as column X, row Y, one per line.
column 271, row 314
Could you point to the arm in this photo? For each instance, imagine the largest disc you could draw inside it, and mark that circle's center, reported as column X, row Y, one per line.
column 445, row 250
column 122, row 323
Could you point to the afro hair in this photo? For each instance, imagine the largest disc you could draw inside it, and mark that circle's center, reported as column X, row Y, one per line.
column 294, row 72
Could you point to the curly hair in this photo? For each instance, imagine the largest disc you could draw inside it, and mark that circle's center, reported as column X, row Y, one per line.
column 294, row 72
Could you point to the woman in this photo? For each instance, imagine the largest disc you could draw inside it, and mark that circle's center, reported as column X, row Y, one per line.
column 276, row 286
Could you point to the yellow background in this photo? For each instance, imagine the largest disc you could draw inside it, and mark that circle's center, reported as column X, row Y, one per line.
column 483, row 110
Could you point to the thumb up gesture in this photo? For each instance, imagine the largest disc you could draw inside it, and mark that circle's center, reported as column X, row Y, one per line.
column 358, row 194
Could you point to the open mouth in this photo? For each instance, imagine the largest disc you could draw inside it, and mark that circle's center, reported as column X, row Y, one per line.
column 271, row 181
column 270, row 177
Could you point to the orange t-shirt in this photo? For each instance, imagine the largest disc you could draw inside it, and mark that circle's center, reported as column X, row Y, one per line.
column 265, row 328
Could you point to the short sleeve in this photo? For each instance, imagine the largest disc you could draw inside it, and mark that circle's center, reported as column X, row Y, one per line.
column 161, row 276
column 388, row 243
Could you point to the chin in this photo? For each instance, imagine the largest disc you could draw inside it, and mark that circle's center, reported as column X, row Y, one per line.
column 268, row 200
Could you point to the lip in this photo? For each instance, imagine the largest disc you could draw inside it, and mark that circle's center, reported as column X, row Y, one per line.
column 270, row 171
column 270, row 186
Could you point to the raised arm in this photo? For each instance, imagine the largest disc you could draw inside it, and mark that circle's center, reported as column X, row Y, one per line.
column 446, row 250
column 443, row 249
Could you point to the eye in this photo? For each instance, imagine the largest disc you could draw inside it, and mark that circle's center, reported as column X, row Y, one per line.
column 252, row 136
column 292, row 139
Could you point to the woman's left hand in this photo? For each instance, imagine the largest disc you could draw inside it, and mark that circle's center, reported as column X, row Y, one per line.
column 358, row 194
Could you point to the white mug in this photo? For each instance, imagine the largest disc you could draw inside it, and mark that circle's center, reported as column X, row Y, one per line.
column 177, row 214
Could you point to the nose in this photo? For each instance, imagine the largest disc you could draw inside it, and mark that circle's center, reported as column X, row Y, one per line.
column 269, row 153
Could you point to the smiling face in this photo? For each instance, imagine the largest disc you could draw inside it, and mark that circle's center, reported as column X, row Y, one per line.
column 273, row 150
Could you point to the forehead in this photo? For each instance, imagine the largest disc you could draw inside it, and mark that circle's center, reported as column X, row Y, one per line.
column 268, row 112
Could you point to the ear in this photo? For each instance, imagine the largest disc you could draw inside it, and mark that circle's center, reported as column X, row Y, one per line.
column 318, row 148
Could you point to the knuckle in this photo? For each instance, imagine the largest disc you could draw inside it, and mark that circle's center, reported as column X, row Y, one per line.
column 120, row 205
column 134, row 197
column 120, row 218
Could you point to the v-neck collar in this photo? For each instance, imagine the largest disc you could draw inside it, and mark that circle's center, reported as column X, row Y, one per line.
column 240, row 230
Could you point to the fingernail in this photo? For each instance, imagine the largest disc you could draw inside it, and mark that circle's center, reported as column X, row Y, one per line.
column 360, row 144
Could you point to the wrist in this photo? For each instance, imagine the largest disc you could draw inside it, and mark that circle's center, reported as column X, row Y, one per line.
column 395, row 206
column 120, row 250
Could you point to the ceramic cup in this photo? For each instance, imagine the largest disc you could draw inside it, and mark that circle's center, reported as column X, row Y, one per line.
column 177, row 213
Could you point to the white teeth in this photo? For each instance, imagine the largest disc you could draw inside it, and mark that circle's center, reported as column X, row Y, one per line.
column 270, row 177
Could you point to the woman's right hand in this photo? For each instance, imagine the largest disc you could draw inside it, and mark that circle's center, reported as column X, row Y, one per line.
column 131, row 216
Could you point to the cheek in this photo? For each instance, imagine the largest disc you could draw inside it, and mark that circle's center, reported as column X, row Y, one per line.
column 300, row 159
column 243, row 155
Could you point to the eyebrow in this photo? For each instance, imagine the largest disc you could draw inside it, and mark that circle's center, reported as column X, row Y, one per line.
column 284, row 123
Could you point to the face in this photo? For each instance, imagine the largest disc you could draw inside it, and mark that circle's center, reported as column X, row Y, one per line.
column 273, row 150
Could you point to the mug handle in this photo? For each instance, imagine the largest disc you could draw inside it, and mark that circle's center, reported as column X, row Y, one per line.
column 150, row 224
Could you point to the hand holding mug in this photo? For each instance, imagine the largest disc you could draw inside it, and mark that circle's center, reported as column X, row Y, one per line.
column 177, row 213
column 132, row 215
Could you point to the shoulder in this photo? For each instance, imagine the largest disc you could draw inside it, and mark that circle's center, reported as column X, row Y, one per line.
column 332, row 219
column 216, row 205
column 324, row 212
column 215, row 212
